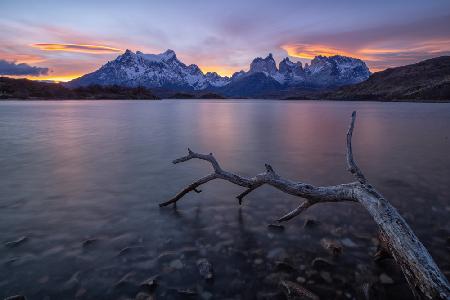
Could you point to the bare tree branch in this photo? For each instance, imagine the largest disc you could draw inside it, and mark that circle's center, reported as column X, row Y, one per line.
column 295, row 212
column 352, row 166
column 192, row 187
column 246, row 192
column 423, row 275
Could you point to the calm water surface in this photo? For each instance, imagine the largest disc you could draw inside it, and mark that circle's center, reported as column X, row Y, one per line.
column 82, row 182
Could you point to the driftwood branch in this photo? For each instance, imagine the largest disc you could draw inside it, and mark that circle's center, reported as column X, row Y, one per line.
column 421, row 272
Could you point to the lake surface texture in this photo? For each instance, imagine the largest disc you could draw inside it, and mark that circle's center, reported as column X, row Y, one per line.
column 81, row 182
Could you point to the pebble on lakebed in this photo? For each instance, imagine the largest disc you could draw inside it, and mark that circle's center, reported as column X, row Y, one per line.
column 205, row 268
column 332, row 246
column 176, row 264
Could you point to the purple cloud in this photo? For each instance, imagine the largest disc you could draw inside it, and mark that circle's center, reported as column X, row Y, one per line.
column 13, row 69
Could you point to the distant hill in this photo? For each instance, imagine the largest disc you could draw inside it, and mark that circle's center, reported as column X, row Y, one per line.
column 428, row 80
column 29, row 89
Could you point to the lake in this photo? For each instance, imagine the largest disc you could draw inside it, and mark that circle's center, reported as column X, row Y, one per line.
column 81, row 182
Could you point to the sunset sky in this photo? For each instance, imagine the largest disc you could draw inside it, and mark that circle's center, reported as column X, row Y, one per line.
column 61, row 40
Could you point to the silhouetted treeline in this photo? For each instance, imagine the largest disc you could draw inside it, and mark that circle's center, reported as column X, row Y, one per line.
column 29, row 89
column 182, row 95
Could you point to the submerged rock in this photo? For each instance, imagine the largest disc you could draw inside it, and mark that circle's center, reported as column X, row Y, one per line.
column 187, row 292
column 294, row 290
column 309, row 223
column 16, row 297
column 349, row 243
column 332, row 246
column 326, row 276
column 150, row 283
column 143, row 296
column 300, row 279
column 322, row 263
column 205, row 268
column 131, row 249
column 277, row 253
column 206, row 295
column 284, row 267
column 17, row 242
column 89, row 242
column 176, row 264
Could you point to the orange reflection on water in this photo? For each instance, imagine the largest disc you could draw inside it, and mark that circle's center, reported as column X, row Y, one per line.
column 217, row 125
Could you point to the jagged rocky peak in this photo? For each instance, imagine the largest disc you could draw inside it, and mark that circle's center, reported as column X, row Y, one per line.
column 213, row 76
column 336, row 61
column 264, row 65
column 128, row 54
column 338, row 69
column 169, row 54
column 287, row 66
column 194, row 69
column 166, row 56
column 216, row 80
column 237, row 75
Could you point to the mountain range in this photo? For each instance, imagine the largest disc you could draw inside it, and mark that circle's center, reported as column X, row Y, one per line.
column 150, row 76
column 264, row 78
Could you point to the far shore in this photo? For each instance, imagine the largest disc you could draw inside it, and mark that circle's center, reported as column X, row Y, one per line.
column 243, row 99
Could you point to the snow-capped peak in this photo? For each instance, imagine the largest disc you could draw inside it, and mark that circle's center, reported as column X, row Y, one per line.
column 151, row 70
column 161, row 57
column 164, row 70
column 265, row 65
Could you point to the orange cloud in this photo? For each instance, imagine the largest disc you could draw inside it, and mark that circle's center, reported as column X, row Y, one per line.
column 96, row 49
column 377, row 58
column 22, row 58
column 309, row 51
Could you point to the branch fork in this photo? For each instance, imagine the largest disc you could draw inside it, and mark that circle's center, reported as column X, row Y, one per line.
column 421, row 272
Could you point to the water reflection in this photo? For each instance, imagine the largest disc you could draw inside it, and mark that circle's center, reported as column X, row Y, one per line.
column 82, row 181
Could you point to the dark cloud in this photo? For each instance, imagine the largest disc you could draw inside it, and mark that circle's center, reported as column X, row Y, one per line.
column 13, row 69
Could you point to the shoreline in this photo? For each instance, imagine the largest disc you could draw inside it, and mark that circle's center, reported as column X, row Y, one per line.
column 243, row 99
